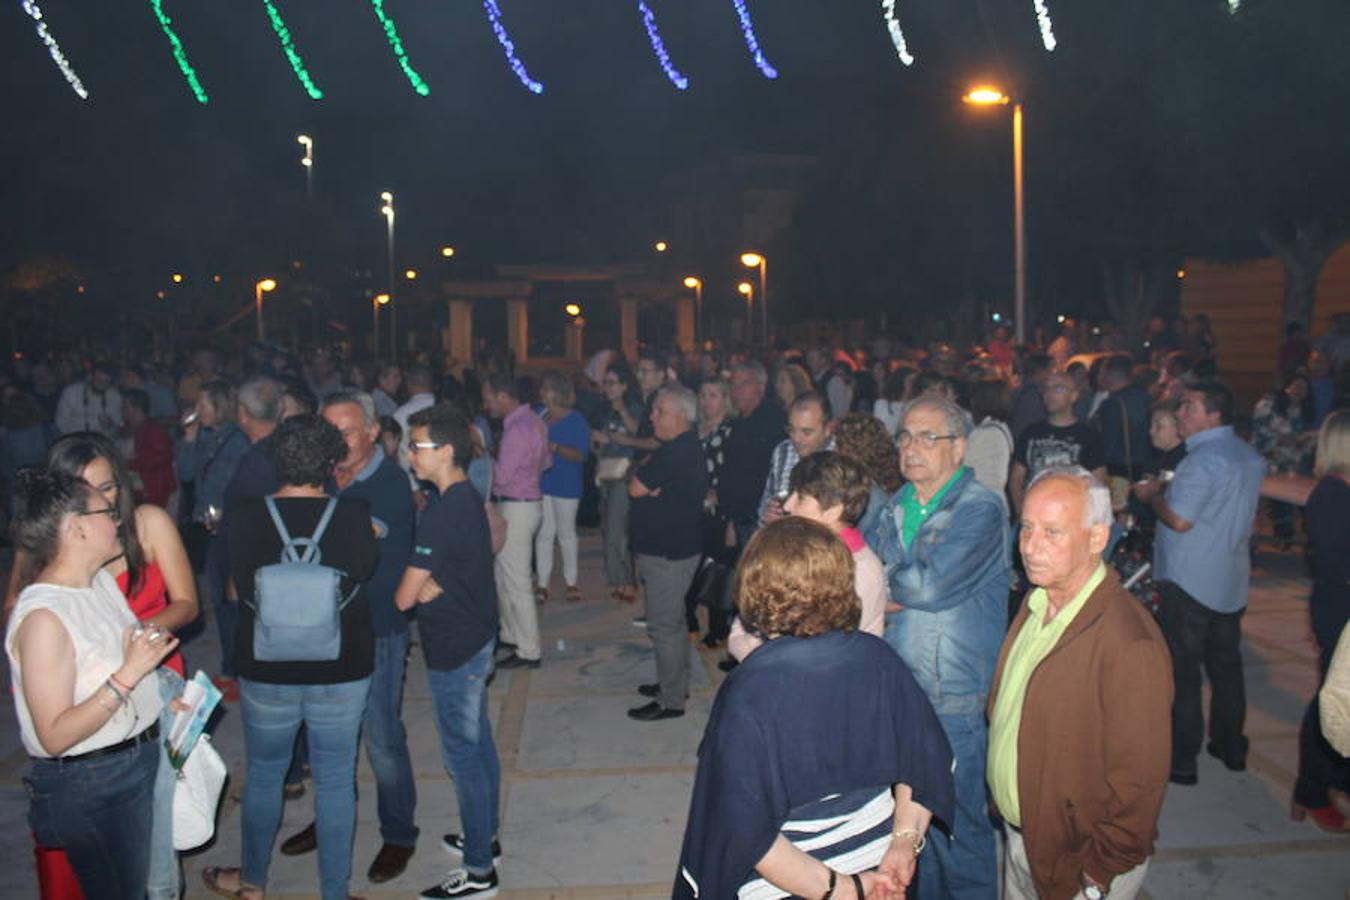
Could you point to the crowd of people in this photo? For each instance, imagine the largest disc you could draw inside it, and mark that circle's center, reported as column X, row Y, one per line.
column 904, row 551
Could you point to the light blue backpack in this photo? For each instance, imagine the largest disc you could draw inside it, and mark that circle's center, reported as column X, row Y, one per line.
column 298, row 601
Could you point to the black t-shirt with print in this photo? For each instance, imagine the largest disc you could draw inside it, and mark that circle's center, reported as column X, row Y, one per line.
column 1043, row 445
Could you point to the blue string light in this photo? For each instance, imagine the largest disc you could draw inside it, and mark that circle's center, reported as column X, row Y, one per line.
column 748, row 29
column 495, row 17
column 659, row 47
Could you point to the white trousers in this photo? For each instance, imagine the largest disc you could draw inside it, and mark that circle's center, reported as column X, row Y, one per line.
column 515, row 593
column 1017, row 883
column 560, row 522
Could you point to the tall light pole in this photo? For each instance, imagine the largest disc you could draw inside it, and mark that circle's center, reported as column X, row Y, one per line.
column 388, row 211
column 375, row 303
column 308, row 162
column 987, row 95
column 694, row 283
column 748, row 291
column 260, row 288
column 757, row 261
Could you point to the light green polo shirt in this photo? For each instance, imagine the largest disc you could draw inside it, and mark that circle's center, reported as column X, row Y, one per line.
column 1032, row 645
column 917, row 513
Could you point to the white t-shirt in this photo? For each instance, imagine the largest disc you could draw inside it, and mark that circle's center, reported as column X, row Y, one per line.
column 96, row 618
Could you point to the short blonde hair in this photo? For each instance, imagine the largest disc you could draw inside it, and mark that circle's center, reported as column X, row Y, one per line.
column 795, row 579
column 1333, row 445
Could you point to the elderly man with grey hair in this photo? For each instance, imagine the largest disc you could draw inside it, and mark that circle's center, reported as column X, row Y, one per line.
column 665, row 534
column 944, row 542
column 1080, row 712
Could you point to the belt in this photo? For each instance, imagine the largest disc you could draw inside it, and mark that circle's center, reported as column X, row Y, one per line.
column 498, row 498
column 149, row 734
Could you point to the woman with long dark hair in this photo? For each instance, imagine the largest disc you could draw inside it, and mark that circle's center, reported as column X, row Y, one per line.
column 88, row 713
column 614, row 461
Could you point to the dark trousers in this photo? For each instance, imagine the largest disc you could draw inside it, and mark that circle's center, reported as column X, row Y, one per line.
column 1320, row 767
column 1198, row 636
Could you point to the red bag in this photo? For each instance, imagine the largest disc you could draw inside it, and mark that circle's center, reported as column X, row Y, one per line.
column 56, row 879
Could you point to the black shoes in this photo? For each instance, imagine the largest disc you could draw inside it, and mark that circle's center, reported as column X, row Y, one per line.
column 1238, row 764
column 1183, row 778
column 303, row 841
column 518, row 662
column 654, row 712
column 649, row 690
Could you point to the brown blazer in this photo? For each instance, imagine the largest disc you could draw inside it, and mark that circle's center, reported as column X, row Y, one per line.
column 1095, row 743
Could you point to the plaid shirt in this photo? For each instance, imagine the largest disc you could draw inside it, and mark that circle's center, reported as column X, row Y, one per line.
column 781, row 464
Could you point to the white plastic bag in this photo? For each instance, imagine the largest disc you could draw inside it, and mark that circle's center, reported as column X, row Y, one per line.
column 196, row 796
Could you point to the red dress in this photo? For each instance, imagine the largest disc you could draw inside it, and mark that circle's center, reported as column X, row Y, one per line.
column 151, row 599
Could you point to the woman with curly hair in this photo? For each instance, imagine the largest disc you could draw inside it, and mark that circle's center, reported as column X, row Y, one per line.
column 841, row 736
column 327, row 696
column 865, row 439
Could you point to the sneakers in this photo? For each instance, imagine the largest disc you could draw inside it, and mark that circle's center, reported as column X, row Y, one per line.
column 455, row 844
column 461, row 883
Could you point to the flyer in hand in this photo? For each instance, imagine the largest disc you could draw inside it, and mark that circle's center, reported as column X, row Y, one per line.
column 200, row 697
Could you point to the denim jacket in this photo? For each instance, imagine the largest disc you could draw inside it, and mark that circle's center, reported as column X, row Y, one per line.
column 953, row 583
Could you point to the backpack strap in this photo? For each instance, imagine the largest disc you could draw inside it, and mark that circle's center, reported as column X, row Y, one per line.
column 304, row 550
column 280, row 525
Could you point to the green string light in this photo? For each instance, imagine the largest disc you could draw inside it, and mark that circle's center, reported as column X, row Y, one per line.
column 179, row 54
column 292, row 56
column 396, row 44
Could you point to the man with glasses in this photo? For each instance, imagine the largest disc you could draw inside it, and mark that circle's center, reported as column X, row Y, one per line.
column 1060, row 440
column 944, row 541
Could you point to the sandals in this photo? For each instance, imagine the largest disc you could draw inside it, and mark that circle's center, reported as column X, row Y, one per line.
column 541, row 595
column 212, row 876
column 573, row 594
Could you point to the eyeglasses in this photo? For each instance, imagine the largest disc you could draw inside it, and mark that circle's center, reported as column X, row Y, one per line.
column 109, row 511
column 927, row 439
column 424, row 445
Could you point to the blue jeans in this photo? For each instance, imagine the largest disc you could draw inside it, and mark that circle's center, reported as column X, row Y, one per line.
column 460, row 699
column 217, row 572
column 965, row 866
column 165, row 881
column 99, row 810
column 272, row 714
column 387, row 742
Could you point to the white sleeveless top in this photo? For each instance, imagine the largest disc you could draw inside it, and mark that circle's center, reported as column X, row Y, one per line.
column 96, row 619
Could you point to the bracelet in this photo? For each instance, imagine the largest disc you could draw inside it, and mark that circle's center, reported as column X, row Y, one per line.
column 126, row 689
column 834, row 877
column 858, row 886
column 918, row 838
column 112, row 709
column 111, row 685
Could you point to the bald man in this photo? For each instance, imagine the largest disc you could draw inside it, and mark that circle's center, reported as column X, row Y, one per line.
column 1080, row 735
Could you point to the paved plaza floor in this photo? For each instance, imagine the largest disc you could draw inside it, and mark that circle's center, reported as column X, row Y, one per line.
column 594, row 803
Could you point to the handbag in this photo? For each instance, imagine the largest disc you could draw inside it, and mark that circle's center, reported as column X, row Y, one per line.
column 612, row 468
column 196, row 795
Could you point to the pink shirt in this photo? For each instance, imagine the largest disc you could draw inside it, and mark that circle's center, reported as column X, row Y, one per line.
column 523, row 456
column 869, row 580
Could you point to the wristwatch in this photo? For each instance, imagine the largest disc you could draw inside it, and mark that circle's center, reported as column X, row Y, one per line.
column 1092, row 891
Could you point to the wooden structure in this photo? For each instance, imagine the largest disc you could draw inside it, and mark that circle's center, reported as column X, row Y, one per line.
column 1245, row 303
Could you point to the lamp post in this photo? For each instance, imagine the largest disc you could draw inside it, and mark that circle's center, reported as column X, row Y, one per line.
column 757, row 261
column 375, row 303
column 308, row 162
column 260, row 288
column 694, row 283
column 992, row 96
column 387, row 210
column 660, row 246
column 748, row 291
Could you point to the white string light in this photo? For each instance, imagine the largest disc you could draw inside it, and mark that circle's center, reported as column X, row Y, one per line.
column 54, row 49
column 1233, row 5
column 897, row 36
column 1047, row 28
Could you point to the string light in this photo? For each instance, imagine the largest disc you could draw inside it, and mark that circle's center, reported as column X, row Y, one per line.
column 659, row 47
column 292, row 55
column 54, row 50
column 396, row 44
column 751, row 42
column 494, row 13
column 179, row 54
column 1047, row 29
column 1233, row 5
column 897, row 36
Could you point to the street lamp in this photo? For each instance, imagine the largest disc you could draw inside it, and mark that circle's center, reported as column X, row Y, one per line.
column 308, row 162
column 177, row 278
column 987, row 95
column 660, row 246
column 447, row 251
column 753, row 260
column 260, row 288
column 748, row 291
column 695, row 284
column 387, row 210
column 410, row 274
column 375, row 303
column 572, row 309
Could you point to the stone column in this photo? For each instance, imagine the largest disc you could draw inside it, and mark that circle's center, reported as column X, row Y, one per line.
column 575, row 334
column 459, row 336
column 628, row 328
column 518, row 328
column 684, row 324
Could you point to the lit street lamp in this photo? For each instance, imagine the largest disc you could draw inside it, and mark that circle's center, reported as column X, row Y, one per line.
column 387, row 210
column 410, row 274
column 260, row 288
column 992, row 96
column 695, row 284
column 177, row 278
column 748, row 291
column 757, row 261
column 447, row 251
column 308, row 162
column 660, row 246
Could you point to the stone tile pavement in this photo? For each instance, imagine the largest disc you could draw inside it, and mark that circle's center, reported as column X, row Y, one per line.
column 594, row 803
